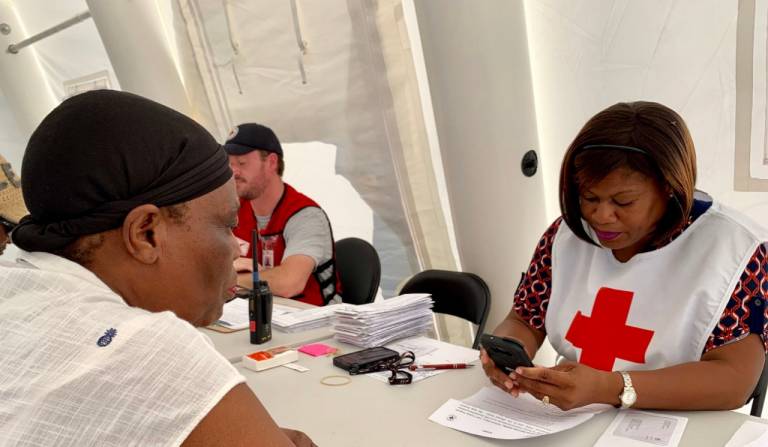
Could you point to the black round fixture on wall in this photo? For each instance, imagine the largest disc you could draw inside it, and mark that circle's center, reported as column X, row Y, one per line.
column 530, row 163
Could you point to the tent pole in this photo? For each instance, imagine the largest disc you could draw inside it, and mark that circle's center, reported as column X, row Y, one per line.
column 14, row 48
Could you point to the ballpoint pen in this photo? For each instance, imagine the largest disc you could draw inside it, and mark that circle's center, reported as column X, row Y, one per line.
column 440, row 366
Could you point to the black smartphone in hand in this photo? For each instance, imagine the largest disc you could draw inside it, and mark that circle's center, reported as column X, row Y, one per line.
column 506, row 353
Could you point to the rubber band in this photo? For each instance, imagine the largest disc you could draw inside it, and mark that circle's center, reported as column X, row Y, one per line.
column 331, row 380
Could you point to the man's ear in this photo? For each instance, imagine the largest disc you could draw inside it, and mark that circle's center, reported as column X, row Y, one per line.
column 143, row 232
column 273, row 158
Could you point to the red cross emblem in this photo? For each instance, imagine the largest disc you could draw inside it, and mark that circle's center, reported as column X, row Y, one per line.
column 604, row 336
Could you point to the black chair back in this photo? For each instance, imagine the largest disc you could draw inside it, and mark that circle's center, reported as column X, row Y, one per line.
column 359, row 270
column 758, row 396
column 461, row 294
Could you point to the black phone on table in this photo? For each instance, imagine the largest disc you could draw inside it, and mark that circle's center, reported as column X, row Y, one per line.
column 506, row 353
column 366, row 360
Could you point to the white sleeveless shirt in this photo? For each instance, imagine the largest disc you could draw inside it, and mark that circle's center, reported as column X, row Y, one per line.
column 655, row 310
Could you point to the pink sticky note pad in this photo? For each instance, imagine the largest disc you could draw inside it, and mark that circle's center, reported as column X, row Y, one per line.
column 317, row 349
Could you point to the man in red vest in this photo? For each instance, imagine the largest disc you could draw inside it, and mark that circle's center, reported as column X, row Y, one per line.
column 294, row 247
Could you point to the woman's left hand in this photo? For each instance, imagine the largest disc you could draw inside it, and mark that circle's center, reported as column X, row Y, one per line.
column 569, row 384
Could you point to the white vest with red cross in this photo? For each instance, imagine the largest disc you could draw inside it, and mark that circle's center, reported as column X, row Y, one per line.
column 655, row 310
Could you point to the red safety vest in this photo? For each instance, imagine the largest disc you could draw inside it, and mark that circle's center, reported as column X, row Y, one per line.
column 289, row 204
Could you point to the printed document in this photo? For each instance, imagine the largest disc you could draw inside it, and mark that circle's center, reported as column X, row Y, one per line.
column 495, row 414
column 633, row 428
column 750, row 434
column 235, row 315
column 287, row 319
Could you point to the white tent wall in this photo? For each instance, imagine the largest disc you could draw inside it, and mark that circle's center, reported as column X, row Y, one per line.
column 589, row 54
column 312, row 169
column 11, row 139
column 26, row 93
column 135, row 33
column 132, row 32
column 476, row 56
column 69, row 54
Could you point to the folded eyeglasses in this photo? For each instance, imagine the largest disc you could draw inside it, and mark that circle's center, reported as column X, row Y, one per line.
column 396, row 367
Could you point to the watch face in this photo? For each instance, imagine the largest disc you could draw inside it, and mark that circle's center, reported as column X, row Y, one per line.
column 628, row 397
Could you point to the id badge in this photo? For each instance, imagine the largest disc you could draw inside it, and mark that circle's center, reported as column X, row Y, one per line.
column 268, row 251
column 267, row 258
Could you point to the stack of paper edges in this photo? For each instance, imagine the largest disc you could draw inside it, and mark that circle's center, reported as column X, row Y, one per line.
column 289, row 319
column 379, row 323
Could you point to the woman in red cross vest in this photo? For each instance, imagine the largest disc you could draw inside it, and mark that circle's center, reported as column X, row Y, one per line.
column 651, row 292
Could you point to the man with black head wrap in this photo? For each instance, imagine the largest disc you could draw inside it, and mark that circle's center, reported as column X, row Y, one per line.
column 128, row 241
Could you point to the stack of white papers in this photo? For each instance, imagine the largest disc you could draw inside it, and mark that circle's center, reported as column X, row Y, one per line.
column 289, row 319
column 379, row 323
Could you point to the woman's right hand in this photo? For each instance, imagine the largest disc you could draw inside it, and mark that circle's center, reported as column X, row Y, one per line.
column 497, row 376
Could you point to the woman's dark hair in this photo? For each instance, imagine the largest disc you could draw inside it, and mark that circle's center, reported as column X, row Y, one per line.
column 665, row 153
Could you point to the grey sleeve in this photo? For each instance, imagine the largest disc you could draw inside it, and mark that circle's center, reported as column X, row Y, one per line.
column 308, row 233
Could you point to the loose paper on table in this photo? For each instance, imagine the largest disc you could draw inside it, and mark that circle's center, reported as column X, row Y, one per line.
column 235, row 315
column 495, row 414
column 288, row 319
column 750, row 434
column 633, row 428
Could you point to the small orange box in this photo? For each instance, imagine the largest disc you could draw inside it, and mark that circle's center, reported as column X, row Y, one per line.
column 259, row 361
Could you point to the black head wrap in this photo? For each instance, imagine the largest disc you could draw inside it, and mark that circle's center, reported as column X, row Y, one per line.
column 100, row 154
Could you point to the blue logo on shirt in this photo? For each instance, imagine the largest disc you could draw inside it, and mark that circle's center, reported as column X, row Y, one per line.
column 106, row 339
